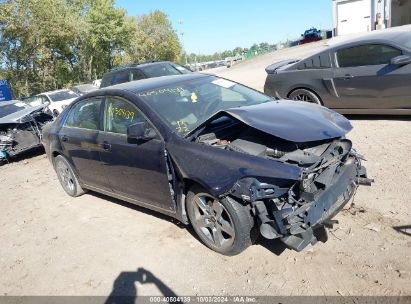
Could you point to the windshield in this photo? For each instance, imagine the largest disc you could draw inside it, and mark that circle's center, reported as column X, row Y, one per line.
column 186, row 105
column 62, row 95
column 12, row 108
column 34, row 100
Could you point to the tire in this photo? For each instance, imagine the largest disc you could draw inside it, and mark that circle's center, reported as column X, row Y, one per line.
column 222, row 225
column 67, row 177
column 305, row 95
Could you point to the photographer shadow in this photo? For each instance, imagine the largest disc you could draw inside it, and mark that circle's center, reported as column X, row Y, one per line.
column 125, row 291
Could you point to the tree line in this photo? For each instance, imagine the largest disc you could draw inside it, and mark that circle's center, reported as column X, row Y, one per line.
column 51, row 44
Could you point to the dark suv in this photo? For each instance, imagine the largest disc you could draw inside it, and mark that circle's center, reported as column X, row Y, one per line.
column 142, row 71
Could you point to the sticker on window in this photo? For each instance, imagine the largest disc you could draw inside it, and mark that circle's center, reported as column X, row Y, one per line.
column 223, row 83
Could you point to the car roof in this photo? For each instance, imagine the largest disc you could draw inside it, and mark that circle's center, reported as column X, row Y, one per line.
column 55, row 91
column 397, row 35
column 143, row 85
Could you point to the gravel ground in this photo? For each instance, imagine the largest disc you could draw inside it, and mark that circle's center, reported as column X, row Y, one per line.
column 52, row 244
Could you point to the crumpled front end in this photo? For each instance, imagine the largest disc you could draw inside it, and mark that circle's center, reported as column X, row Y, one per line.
column 298, row 214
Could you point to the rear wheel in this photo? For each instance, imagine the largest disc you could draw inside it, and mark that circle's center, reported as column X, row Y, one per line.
column 66, row 176
column 304, row 95
column 224, row 225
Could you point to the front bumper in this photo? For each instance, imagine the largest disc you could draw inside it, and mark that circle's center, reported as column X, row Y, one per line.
column 322, row 209
column 304, row 224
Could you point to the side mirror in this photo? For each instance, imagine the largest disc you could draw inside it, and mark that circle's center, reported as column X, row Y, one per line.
column 140, row 131
column 401, row 60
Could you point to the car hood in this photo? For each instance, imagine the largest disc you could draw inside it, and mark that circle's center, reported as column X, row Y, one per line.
column 16, row 117
column 290, row 120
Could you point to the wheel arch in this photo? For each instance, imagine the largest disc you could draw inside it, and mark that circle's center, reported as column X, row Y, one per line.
column 305, row 88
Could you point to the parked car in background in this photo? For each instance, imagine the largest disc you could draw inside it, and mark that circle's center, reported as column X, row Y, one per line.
column 21, row 125
column 364, row 75
column 310, row 35
column 82, row 89
column 208, row 151
column 142, row 71
column 59, row 99
column 36, row 100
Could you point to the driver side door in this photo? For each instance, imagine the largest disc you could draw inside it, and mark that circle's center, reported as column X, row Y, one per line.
column 136, row 169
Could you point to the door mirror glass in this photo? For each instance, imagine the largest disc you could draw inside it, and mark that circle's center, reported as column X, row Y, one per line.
column 140, row 131
column 401, row 60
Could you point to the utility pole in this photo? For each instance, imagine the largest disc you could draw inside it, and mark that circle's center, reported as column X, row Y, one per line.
column 180, row 22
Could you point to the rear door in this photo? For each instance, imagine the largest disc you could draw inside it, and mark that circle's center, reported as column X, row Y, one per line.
column 78, row 137
column 136, row 169
column 364, row 77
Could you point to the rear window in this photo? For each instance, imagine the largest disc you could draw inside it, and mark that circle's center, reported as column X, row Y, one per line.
column 63, row 95
column 163, row 69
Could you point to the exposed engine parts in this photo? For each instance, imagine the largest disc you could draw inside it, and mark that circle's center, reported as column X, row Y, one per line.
column 295, row 212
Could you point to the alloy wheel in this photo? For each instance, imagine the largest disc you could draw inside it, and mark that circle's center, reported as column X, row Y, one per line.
column 66, row 176
column 213, row 221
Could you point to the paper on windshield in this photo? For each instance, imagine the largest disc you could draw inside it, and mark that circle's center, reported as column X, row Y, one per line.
column 223, row 83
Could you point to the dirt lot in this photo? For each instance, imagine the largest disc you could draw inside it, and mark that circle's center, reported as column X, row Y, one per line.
column 52, row 244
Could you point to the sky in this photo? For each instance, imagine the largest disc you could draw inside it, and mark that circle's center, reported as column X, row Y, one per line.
column 213, row 26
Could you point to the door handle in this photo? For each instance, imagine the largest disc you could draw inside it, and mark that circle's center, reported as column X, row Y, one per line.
column 106, row 146
column 64, row 138
column 348, row 77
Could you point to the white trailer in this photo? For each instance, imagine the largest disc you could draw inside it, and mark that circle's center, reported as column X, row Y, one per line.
column 356, row 16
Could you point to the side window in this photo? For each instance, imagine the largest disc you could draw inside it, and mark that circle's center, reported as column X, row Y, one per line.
column 85, row 114
column 119, row 114
column 120, row 77
column 369, row 54
column 136, row 75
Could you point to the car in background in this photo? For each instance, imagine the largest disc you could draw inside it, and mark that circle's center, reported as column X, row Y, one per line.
column 231, row 161
column 21, row 124
column 59, row 99
column 36, row 100
column 369, row 74
column 310, row 35
column 142, row 71
column 82, row 89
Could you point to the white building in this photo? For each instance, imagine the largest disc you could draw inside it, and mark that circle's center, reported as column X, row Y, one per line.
column 355, row 16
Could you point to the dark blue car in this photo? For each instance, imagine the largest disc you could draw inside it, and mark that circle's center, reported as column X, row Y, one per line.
column 211, row 152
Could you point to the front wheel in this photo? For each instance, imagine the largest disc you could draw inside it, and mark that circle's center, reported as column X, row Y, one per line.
column 304, row 95
column 224, row 225
column 66, row 176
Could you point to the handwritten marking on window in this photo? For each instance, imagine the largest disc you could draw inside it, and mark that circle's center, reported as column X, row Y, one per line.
column 123, row 113
column 181, row 126
column 161, row 91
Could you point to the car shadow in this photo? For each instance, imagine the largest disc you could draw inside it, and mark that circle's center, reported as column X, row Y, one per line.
column 125, row 290
column 406, row 230
column 147, row 211
column 26, row 155
column 377, row 117
column 274, row 246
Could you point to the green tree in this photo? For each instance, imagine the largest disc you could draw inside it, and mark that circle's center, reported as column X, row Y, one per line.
column 154, row 39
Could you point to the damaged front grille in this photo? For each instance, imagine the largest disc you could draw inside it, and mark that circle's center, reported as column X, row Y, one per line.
column 330, row 175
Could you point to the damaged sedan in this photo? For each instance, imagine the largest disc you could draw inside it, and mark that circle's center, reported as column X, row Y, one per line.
column 21, row 124
column 212, row 153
